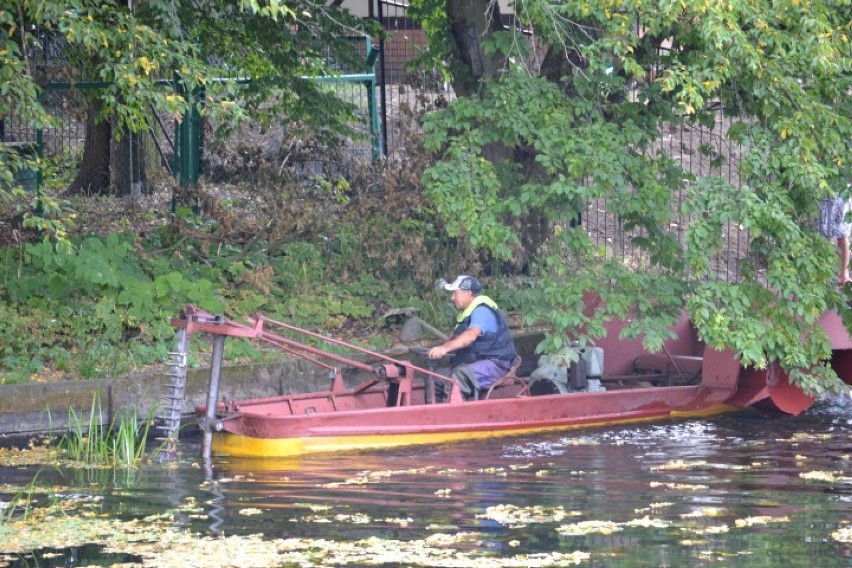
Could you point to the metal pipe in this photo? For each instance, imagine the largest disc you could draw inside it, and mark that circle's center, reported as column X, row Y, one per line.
column 212, row 394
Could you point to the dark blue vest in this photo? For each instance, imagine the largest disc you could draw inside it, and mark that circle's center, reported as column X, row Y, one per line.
column 497, row 345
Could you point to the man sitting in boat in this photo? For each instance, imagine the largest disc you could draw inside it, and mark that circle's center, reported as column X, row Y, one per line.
column 482, row 343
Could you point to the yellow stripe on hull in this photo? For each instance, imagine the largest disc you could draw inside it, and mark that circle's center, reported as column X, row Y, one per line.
column 244, row 446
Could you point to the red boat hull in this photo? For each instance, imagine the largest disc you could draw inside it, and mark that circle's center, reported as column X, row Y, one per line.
column 393, row 408
column 264, row 428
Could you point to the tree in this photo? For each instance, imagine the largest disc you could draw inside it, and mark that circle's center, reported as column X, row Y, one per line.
column 163, row 54
column 575, row 110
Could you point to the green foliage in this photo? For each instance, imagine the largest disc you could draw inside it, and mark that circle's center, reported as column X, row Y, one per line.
column 151, row 55
column 102, row 306
column 90, row 298
column 120, row 443
column 585, row 125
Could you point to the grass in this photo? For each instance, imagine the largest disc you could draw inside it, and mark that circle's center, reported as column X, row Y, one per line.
column 121, row 443
column 21, row 501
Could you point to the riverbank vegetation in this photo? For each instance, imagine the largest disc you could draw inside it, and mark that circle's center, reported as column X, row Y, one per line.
column 100, row 305
column 581, row 116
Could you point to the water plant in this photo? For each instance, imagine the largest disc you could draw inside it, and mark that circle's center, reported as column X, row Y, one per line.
column 122, row 442
column 20, row 502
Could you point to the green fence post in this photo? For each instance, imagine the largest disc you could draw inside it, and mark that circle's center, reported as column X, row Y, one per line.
column 373, row 52
column 188, row 146
column 39, row 210
column 176, row 158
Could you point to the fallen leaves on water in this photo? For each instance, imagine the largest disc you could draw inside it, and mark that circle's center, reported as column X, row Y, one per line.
column 589, row 527
column 653, row 507
column 39, row 452
column 804, row 437
column 316, row 507
column 691, row 542
column 356, row 519
column 365, row 477
column 680, row 464
column 827, row 476
column 716, row 529
column 698, row 464
column 498, row 471
column 760, row 520
column 681, row 486
column 843, row 534
column 43, row 529
column 648, row 522
column 579, row 442
column 161, row 544
column 712, row 529
column 437, row 550
column 703, row 512
column 516, row 517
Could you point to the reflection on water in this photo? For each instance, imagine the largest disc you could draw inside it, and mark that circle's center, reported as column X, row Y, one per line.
column 727, row 491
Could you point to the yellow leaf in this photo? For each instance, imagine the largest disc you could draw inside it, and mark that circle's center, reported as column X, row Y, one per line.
column 146, row 64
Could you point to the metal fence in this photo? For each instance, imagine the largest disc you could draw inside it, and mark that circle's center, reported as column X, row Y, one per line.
column 389, row 103
column 175, row 147
column 407, row 90
column 700, row 151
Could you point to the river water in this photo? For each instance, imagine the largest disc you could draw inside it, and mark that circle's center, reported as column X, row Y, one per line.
column 735, row 490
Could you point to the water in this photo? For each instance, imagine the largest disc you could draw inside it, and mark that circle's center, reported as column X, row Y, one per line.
column 727, row 491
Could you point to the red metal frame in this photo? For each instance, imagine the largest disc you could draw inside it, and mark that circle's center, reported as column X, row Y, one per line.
column 195, row 320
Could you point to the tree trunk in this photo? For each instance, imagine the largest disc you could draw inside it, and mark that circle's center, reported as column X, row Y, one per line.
column 111, row 165
column 94, row 176
column 470, row 22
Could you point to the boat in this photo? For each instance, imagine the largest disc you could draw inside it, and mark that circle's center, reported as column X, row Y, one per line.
column 379, row 401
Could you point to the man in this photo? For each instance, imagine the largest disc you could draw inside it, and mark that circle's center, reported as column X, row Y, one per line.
column 832, row 225
column 482, row 342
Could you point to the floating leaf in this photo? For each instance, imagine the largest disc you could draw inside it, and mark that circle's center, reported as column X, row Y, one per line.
column 648, row 522
column 760, row 520
column 680, row 464
column 514, row 516
column 704, row 512
column 842, row 534
column 683, row 486
column 589, row 527
column 828, row 476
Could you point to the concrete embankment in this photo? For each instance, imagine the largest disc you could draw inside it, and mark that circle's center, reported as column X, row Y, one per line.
column 37, row 408
column 41, row 408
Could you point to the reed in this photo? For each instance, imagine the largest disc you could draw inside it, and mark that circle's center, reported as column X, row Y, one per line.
column 19, row 503
column 121, row 443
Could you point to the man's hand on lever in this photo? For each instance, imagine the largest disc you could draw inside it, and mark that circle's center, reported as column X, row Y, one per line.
column 438, row 352
column 460, row 341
